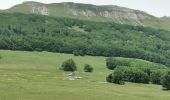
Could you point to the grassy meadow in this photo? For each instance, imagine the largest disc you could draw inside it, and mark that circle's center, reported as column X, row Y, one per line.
column 36, row 76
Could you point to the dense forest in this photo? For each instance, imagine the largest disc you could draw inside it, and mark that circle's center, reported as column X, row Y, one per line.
column 31, row 32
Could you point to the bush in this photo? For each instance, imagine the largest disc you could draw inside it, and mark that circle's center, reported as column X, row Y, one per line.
column 136, row 75
column 165, row 81
column 122, row 74
column 116, row 77
column 69, row 65
column 155, row 77
column 147, row 70
column 88, row 68
column 109, row 78
column 112, row 63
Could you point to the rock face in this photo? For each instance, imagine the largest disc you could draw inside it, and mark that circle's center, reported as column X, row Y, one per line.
column 40, row 10
column 120, row 15
column 110, row 15
column 113, row 12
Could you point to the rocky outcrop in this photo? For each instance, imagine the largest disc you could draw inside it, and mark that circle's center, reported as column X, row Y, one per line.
column 113, row 13
column 40, row 10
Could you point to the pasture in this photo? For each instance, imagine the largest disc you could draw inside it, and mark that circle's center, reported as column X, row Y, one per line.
column 36, row 76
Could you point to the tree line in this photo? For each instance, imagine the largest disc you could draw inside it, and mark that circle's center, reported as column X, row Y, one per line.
column 31, row 32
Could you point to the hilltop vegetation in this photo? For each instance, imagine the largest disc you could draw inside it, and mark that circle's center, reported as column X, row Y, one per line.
column 42, row 33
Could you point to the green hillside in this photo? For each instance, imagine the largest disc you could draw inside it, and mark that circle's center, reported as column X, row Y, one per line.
column 91, row 12
column 73, row 51
column 31, row 32
column 35, row 76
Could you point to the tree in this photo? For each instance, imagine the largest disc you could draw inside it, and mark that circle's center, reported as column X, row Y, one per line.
column 69, row 65
column 106, row 39
column 88, row 68
column 165, row 80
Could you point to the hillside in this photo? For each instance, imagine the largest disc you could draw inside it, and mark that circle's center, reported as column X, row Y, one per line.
column 91, row 12
column 30, row 32
column 35, row 76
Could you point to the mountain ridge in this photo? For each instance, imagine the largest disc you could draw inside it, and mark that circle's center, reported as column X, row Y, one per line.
column 102, row 13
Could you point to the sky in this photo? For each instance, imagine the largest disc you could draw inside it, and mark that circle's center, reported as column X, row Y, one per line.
column 157, row 8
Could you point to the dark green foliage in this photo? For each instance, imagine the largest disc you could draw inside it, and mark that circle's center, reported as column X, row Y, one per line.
column 112, row 63
column 155, row 77
column 136, row 75
column 109, row 78
column 88, row 68
column 147, row 70
column 117, row 77
column 78, row 53
column 42, row 33
column 122, row 74
column 87, row 29
column 69, row 65
column 165, row 81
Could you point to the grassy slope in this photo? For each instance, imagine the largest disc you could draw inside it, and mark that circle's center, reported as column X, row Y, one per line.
column 34, row 76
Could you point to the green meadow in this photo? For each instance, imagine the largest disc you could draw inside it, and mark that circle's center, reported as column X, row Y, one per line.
column 36, row 76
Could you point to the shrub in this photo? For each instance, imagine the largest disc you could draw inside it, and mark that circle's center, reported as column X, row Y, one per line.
column 165, row 81
column 116, row 77
column 136, row 75
column 112, row 63
column 88, row 68
column 122, row 74
column 155, row 77
column 69, row 65
column 147, row 70
column 109, row 78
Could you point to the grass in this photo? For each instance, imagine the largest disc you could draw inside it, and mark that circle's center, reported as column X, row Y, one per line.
column 35, row 76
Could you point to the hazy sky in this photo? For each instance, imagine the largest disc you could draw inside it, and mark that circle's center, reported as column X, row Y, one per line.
column 155, row 7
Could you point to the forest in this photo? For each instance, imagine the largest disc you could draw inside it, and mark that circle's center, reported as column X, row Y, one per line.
column 30, row 32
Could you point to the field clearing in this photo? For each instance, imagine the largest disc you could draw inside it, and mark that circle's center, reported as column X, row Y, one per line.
column 35, row 76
